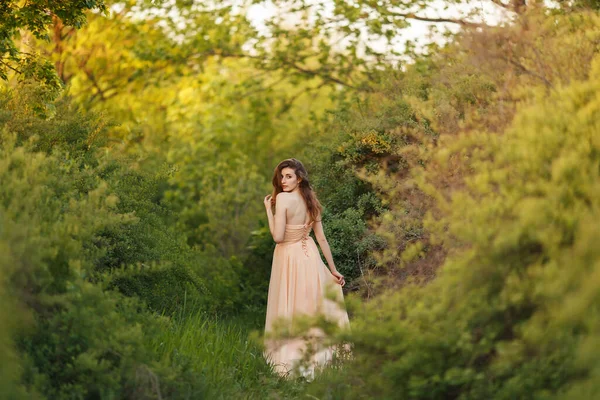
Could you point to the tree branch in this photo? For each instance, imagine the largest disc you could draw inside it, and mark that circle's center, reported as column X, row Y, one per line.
column 522, row 68
column 261, row 89
column 289, row 102
column 319, row 74
column 10, row 67
column 499, row 3
column 293, row 65
column 95, row 84
column 460, row 22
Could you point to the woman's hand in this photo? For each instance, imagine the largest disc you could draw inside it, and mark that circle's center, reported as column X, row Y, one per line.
column 268, row 202
column 339, row 278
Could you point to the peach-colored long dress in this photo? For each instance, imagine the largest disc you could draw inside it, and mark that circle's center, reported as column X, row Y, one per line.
column 298, row 285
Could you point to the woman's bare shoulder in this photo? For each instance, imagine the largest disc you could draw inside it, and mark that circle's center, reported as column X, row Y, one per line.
column 285, row 199
column 283, row 195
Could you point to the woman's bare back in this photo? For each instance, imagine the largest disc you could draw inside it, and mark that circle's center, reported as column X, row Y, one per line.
column 297, row 213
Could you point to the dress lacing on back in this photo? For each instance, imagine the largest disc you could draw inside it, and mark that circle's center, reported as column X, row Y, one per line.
column 295, row 233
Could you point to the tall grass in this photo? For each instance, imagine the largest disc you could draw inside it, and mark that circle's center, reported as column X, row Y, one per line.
column 222, row 356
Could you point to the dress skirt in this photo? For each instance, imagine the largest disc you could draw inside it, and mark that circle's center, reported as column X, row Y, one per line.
column 300, row 285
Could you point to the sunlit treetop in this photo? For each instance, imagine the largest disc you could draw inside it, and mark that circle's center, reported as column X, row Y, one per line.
column 18, row 17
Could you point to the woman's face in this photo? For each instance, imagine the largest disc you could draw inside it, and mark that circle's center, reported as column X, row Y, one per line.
column 289, row 180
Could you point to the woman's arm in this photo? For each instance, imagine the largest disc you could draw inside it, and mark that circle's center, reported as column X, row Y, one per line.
column 277, row 222
column 320, row 235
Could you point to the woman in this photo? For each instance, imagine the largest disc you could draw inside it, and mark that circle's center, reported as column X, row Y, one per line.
column 300, row 284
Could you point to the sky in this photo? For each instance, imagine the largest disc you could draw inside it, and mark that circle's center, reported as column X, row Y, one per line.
column 418, row 32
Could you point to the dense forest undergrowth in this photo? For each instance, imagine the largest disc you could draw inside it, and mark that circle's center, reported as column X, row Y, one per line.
column 461, row 195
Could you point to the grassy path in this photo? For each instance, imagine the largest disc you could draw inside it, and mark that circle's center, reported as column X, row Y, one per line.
column 228, row 364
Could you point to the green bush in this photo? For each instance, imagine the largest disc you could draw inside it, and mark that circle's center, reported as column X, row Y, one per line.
column 13, row 317
column 59, row 125
column 46, row 222
column 255, row 275
column 513, row 312
column 76, row 226
column 356, row 144
column 147, row 258
column 146, row 252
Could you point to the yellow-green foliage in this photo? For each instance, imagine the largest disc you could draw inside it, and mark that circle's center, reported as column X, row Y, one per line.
column 12, row 318
column 73, row 226
column 514, row 312
column 46, row 229
column 91, row 242
column 474, row 84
